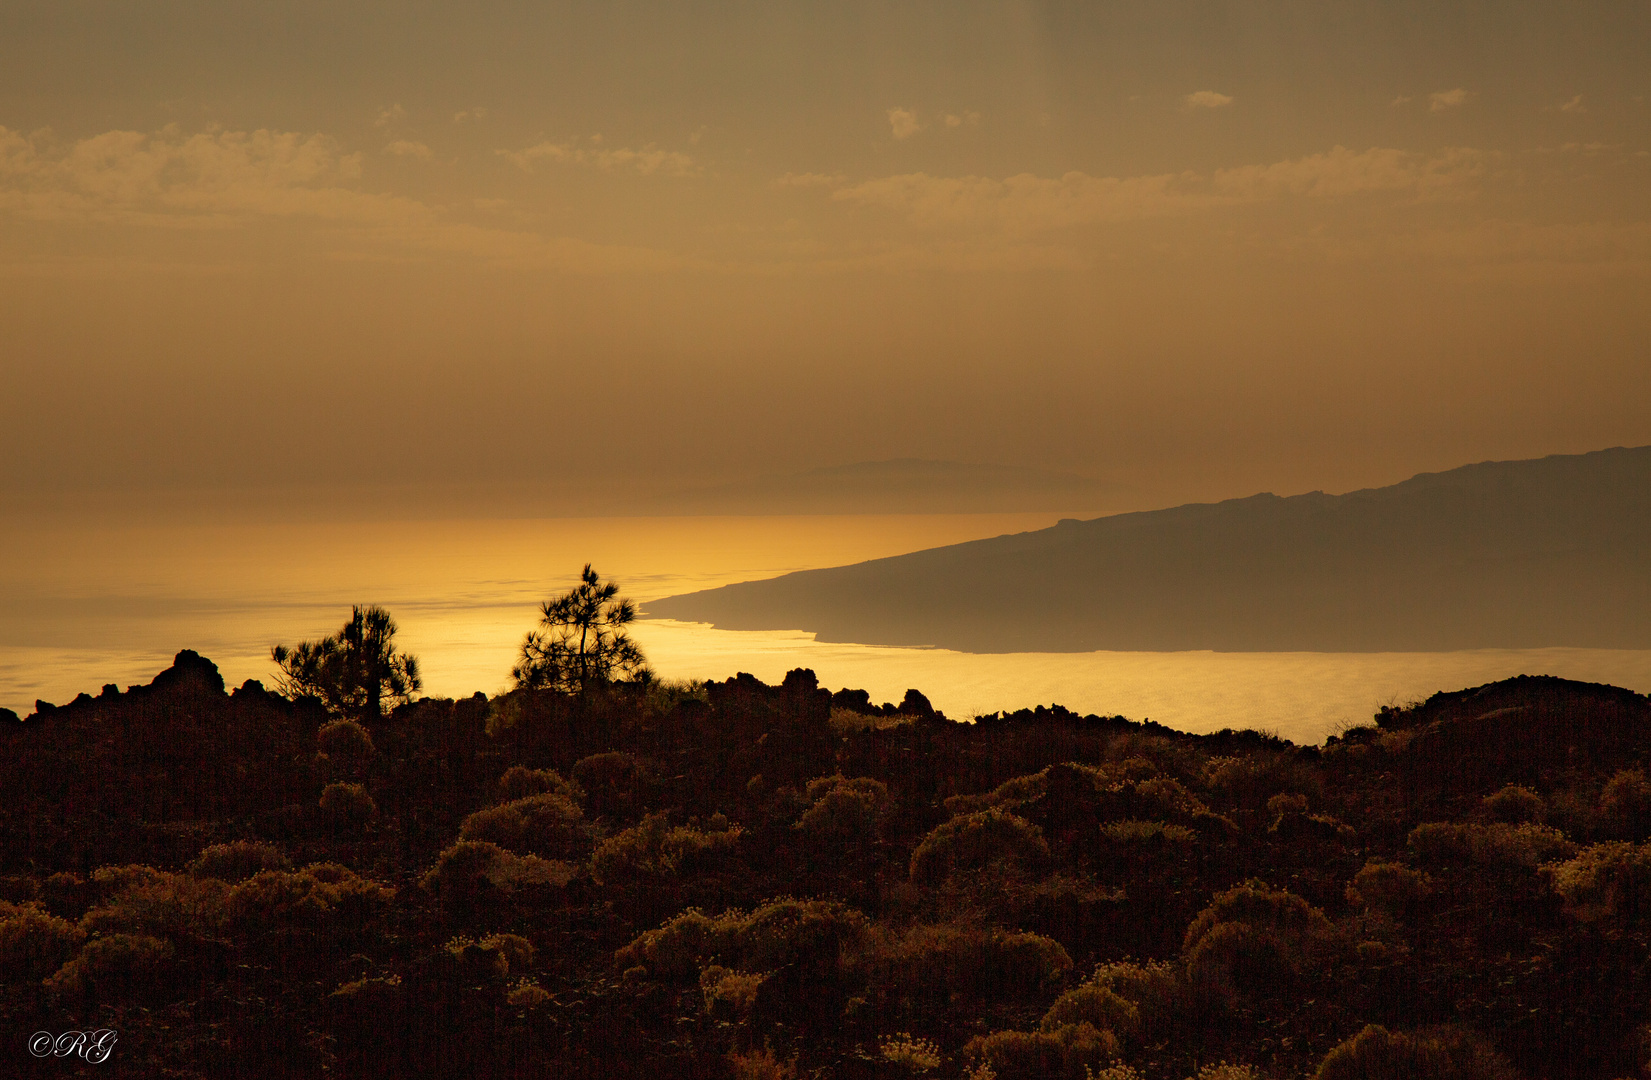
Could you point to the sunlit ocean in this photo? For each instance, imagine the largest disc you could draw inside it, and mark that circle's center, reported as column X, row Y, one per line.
column 89, row 601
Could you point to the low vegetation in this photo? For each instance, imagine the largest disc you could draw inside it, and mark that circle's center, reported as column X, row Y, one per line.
column 591, row 878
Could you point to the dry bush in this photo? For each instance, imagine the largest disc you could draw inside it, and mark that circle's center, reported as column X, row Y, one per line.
column 974, row 842
column 918, row 1055
column 348, row 804
column 526, row 995
column 140, row 900
column 1251, row 780
column 1224, row 1071
column 518, row 782
column 1608, row 883
column 1094, row 1004
column 238, row 860
column 115, row 967
column 1251, row 936
column 323, row 895
column 1147, row 835
column 843, row 810
column 1390, row 888
column 1514, row 805
column 614, row 783
column 1158, row 991
column 1443, row 1054
column 969, row 961
column 1068, row 1052
column 469, row 868
column 1492, row 844
column 34, row 944
column 849, row 722
column 654, row 848
column 760, row 1065
column 1007, row 795
column 1280, row 805
column 729, row 993
column 550, row 825
column 512, row 952
column 1625, row 804
column 345, row 740
column 782, row 932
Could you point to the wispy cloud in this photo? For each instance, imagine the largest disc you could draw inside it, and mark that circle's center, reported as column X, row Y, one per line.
column 956, row 120
column 1027, row 204
column 1444, row 100
column 1207, row 99
column 1573, row 106
column 392, row 115
column 232, row 179
column 903, row 123
column 408, row 148
column 810, row 180
column 647, row 161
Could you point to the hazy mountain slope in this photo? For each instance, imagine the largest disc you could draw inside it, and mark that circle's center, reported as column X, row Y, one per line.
column 1519, row 554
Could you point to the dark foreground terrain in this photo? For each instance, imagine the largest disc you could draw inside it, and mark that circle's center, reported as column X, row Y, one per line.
column 741, row 880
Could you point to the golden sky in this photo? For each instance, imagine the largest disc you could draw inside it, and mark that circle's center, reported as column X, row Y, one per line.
column 1193, row 249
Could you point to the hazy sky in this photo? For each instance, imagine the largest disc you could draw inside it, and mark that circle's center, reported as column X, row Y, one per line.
column 1198, row 249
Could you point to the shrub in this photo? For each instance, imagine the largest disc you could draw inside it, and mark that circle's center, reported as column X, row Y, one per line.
column 1284, row 804
column 1389, row 887
column 1070, row 1051
column 117, row 966
column 760, row 1065
column 34, row 944
column 1446, row 1054
column 518, row 782
column 975, row 841
column 614, row 782
column 653, row 848
column 468, row 869
column 141, row 900
column 348, row 804
column 1258, row 904
column 1625, row 804
column 345, row 739
column 324, row 895
column 844, row 811
column 1223, row 1071
column 728, row 992
column 780, row 933
column 239, row 860
column 1157, row 990
column 1493, row 844
column 1097, row 1005
column 528, row 996
column 1605, row 882
column 549, row 824
column 1250, row 936
column 982, row 963
column 1147, row 834
column 1514, row 805
column 918, row 1055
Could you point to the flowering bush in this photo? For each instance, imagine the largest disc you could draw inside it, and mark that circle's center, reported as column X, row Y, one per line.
column 468, row 869
column 1605, row 882
column 843, row 810
column 1445, row 1054
column 348, row 804
column 1389, row 887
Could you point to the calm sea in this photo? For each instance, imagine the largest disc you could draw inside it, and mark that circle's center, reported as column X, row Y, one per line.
column 85, row 602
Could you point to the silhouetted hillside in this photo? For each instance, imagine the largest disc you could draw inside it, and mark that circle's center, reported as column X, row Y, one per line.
column 736, row 880
column 1517, row 554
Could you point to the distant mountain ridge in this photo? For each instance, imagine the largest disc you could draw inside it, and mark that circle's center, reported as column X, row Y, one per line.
column 1554, row 551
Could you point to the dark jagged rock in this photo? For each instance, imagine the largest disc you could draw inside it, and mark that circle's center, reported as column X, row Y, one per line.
column 190, row 673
